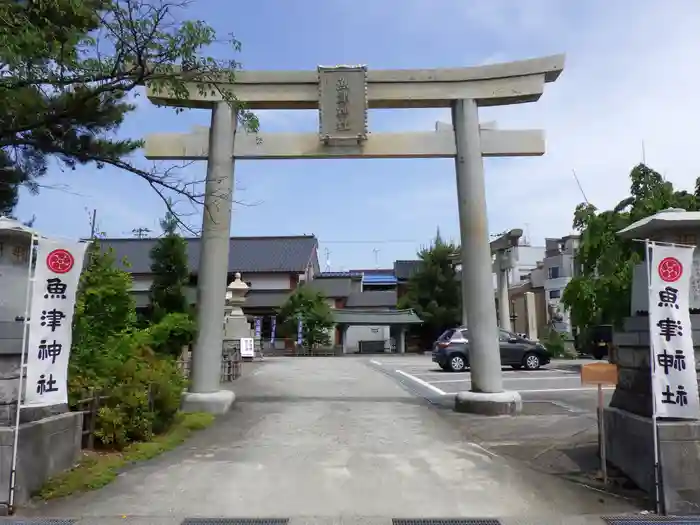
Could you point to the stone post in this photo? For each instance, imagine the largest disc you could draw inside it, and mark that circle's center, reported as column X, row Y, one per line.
column 401, row 343
column 487, row 395
column 344, row 337
column 531, row 316
column 502, row 285
column 205, row 394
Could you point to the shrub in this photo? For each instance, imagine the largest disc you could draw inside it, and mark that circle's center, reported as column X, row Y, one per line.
column 554, row 344
column 112, row 357
column 144, row 393
column 172, row 333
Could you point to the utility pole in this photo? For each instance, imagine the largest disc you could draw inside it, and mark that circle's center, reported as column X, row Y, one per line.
column 93, row 223
column 328, row 260
column 376, row 258
column 140, row 233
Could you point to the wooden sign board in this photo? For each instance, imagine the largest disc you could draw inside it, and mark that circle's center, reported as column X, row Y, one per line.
column 599, row 374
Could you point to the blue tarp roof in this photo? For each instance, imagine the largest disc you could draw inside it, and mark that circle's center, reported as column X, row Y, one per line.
column 379, row 279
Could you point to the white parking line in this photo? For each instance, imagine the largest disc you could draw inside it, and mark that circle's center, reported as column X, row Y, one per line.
column 579, row 389
column 506, row 379
column 421, row 382
column 546, row 390
column 375, row 362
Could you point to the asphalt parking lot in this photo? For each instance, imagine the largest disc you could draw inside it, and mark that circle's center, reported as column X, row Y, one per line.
column 558, row 383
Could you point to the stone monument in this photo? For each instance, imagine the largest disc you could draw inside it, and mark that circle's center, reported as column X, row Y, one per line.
column 49, row 437
column 628, row 419
column 343, row 95
column 236, row 323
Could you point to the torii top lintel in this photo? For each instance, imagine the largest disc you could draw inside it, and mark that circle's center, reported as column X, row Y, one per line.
column 490, row 85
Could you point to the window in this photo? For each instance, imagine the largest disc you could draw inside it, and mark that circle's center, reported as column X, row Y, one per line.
column 554, row 272
column 554, row 294
column 446, row 335
column 504, row 336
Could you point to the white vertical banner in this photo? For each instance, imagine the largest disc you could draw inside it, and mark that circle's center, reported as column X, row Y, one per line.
column 56, row 277
column 674, row 379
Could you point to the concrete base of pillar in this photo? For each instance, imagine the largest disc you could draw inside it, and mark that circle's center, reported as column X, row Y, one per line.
column 212, row 402
column 499, row 404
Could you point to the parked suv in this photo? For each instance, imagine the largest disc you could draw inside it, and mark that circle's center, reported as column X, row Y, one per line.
column 451, row 351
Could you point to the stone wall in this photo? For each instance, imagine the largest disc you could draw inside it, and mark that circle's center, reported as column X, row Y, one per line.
column 11, row 336
column 630, row 447
column 49, row 437
column 629, row 426
column 45, row 448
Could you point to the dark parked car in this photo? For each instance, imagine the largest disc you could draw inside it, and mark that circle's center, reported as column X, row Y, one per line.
column 451, row 351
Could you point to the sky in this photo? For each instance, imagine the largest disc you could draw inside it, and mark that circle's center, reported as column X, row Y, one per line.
column 628, row 93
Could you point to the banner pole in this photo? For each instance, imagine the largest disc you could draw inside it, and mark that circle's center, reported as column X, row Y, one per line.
column 22, row 367
column 652, row 370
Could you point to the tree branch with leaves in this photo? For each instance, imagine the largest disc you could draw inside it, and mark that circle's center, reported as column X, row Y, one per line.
column 67, row 68
column 600, row 292
column 316, row 317
column 433, row 292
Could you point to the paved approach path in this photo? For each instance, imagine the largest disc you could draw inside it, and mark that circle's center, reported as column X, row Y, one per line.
column 331, row 437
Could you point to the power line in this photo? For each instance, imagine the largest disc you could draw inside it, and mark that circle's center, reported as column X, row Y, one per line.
column 375, row 241
column 578, row 182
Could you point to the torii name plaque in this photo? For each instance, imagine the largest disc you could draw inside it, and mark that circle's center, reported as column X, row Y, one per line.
column 342, row 105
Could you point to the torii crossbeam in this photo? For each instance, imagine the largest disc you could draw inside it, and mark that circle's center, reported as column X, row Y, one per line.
column 434, row 144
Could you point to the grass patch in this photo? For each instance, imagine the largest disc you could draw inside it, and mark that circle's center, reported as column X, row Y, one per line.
column 97, row 469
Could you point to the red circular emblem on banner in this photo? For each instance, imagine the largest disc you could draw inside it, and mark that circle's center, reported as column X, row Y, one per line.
column 60, row 261
column 670, row 269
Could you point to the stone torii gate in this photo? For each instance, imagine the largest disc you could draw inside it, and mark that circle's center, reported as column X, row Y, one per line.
column 343, row 95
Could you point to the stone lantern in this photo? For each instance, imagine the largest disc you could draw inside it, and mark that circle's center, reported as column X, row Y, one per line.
column 235, row 295
column 628, row 419
column 235, row 323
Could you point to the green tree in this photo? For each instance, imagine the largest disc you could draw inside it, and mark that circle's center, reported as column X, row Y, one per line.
column 111, row 357
column 68, row 67
column 315, row 314
column 433, row 291
column 104, row 309
column 600, row 293
column 170, row 271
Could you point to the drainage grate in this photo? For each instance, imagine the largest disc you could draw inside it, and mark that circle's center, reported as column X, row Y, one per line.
column 652, row 520
column 36, row 521
column 444, row 521
column 235, row 521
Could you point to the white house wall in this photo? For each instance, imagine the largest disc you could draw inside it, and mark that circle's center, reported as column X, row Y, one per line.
column 270, row 281
column 355, row 334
